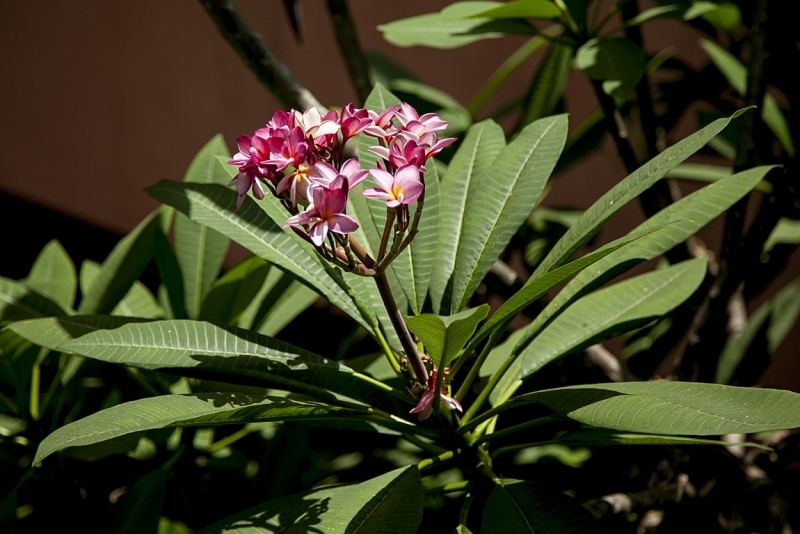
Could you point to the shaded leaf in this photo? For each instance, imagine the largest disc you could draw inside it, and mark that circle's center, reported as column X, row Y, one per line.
column 547, row 84
column 170, row 273
column 671, row 408
column 787, row 231
column 53, row 275
column 138, row 511
column 18, row 301
column 517, row 507
column 206, row 409
column 736, row 74
column 619, row 63
column 390, row 503
column 122, row 267
column 591, row 437
column 200, row 250
column 229, row 296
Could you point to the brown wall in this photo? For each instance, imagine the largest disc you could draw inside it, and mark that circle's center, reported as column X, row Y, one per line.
column 103, row 98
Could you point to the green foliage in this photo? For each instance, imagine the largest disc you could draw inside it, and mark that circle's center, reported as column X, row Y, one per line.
column 445, row 336
column 393, row 501
column 516, row 506
column 617, row 62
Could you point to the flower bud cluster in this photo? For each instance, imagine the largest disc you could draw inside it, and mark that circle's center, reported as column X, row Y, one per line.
column 299, row 157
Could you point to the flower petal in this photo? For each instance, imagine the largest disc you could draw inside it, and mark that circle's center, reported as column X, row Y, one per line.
column 383, row 179
column 342, row 224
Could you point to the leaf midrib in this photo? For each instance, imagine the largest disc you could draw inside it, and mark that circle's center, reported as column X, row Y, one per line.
column 508, row 195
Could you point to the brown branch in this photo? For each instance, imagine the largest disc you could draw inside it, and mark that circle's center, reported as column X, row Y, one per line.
column 708, row 334
column 269, row 70
column 351, row 50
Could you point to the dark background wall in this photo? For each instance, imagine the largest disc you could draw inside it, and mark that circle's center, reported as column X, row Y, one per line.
column 100, row 99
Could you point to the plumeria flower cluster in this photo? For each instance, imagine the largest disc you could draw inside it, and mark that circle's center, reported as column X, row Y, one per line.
column 299, row 158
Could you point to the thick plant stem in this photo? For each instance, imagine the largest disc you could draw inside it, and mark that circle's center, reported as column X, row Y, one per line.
column 409, row 346
column 269, row 70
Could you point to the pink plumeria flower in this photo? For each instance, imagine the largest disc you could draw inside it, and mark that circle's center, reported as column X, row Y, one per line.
column 314, row 125
column 326, row 174
column 324, row 214
column 353, row 121
column 252, row 150
column 425, row 406
column 382, row 126
column 402, row 151
column 412, row 122
column 402, row 188
column 287, row 149
column 282, row 120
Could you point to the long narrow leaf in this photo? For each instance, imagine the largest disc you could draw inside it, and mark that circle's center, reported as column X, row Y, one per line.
column 671, row 408
column 199, row 249
column 483, row 142
column 122, row 267
column 215, row 206
column 504, row 201
column 601, row 211
column 206, row 409
column 392, row 502
column 53, row 275
column 612, row 311
column 18, row 301
column 516, row 507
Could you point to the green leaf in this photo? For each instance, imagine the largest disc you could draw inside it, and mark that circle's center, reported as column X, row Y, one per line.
column 232, row 293
column 122, row 267
column 671, row 408
column 652, row 13
column 137, row 302
column 725, row 16
column 536, row 288
column 473, row 158
column 392, row 502
column 138, row 511
column 517, row 507
column 736, row 348
column 502, row 203
column 187, row 344
column 204, row 409
column 522, row 9
column 445, row 336
column 612, row 311
column 170, row 273
column 53, row 275
column 637, row 182
column 215, row 206
column 18, row 301
column 452, row 27
column 787, row 231
column 51, row 332
column 773, row 320
column 698, row 9
column 679, row 220
column 548, row 83
column 736, row 74
column 592, row 437
column 200, row 250
column 279, row 300
column 619, row 63
column 785, row 310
